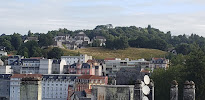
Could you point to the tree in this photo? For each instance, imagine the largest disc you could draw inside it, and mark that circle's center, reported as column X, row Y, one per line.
column 55, row 53
column 16, row 40
column 195, row 69
column 183, row 48
column 96, row 43
column 45, row 40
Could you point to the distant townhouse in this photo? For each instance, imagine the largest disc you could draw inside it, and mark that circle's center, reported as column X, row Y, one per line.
column 97, row 66
column 82, row 36
column 80, row 40
column 101, row 39
column 5, row 86
column 86, row 81
column 55, row 86
column 58, row 66
column 113, row 65
column 159, row 63
column 74, row 59
column 25, row 87
column 31, row 38
column 81, row 68
column 63, row 38
column 2, row 51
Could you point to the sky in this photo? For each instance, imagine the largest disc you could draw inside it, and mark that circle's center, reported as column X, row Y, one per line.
column 177, row 16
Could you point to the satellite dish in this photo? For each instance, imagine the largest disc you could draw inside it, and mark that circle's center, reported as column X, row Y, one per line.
column 142, row 84
column 146, row 90
column 146, row 79
column 145, row 98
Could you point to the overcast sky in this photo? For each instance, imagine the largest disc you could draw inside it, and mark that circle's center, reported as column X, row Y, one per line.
column 177, row 16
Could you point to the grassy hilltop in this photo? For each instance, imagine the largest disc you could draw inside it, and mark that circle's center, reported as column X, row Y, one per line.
column 132, row 53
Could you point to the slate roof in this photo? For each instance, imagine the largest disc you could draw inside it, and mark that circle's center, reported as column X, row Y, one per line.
column 84, row 65
column 90, row 77
column 62, row 76
column 25, row 75
column 5, row 76
column 56, row 61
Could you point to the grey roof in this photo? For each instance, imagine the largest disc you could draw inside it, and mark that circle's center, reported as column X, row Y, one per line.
column 96, row 67
column 65, row 76
column 56, row 61
column 80, row 94
column 5, row 76
column 2, row 48
column 15, row 56
column 30, row 59
column 84, row 98
column 84, row 65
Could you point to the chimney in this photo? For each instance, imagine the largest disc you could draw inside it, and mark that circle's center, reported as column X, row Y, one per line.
column 189, row 91
column 174, row 90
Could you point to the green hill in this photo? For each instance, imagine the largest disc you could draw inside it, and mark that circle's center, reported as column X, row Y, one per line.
column 132, row 53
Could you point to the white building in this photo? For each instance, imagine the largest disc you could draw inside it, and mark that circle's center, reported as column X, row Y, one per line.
column 55, row 86
column 74, row 59
column 36, row 66
column 57, row 66
column 113, row 65
column 30, row 66
column 159, row 63
column 45, row 66
column 6, row 69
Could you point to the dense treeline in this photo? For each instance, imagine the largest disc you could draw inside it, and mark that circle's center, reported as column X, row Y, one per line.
column 117, row 38
column 183, row 67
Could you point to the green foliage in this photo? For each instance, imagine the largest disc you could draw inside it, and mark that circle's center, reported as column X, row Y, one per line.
column 45, row 40
column 16, row 40
column 190, row 67
column 96, row 43
column 30, row 49
column 55, row 53
column 117, row 43
column 195, row 69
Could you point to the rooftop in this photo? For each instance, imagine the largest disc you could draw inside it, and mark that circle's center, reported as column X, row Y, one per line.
column 25, row 75
column 90, row 77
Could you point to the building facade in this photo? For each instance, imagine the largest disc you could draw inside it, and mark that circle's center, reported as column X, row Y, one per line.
column 45, row 66
column 58, row 66
column 6, row 69
column 86, row 81
column 159, row 63
column 55, row 86
column 5, row 86
column 81, row 68
column 30, row 66
column 74, row 59
column 113, row 65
